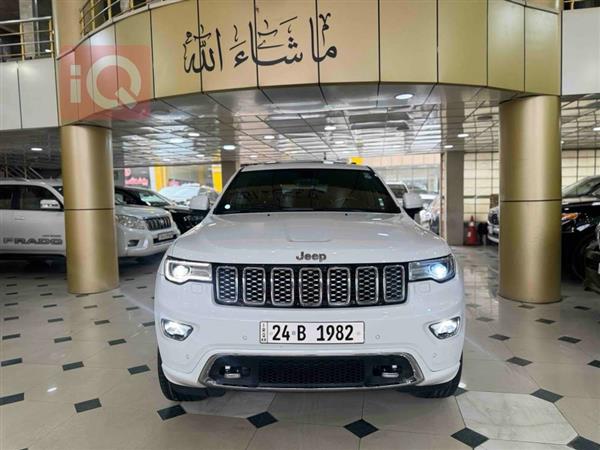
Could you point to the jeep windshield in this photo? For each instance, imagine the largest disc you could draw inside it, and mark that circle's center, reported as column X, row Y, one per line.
column 306, row 190
column 587, row 186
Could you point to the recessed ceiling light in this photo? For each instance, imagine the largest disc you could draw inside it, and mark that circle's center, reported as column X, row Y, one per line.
column 405, row 96
column 269, row 137
column 166, row 159
column 229, row 147
column 253, row 156
column 329, row 127
column 36, row 149
column 449, row 146
column 463, row 135
column 596, row 128
column 562, row 142
column 176, row 141
column 194, row 134
column 338, row 142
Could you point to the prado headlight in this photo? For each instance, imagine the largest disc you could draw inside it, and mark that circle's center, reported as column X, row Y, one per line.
column 131, row 222
column 180, row 271
column 439, row 269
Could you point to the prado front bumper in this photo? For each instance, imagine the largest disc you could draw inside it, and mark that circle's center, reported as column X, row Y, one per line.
column 223, row 348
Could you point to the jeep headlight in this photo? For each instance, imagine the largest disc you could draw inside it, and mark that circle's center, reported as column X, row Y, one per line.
column 439, row 269
column 131, row 222
column 180, row 271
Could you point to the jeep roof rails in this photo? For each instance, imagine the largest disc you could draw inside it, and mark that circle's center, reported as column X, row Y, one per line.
column 301, row 161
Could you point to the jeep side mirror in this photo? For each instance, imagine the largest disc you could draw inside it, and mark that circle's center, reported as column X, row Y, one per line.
column 200, row 202
column 49, row 204
column 412, row 200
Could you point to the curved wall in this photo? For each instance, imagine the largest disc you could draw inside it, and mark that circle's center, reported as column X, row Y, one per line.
column 192, row 46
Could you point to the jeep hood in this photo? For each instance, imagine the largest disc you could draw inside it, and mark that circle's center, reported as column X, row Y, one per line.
column 277, row 238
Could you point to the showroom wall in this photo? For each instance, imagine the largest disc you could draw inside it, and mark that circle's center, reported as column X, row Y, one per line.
column 482, row 177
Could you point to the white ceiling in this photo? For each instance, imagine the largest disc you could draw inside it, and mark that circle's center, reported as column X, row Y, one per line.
column 368, row 121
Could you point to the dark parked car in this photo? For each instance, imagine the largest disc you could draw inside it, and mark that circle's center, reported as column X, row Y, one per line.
column 580, row 216
column 184, row 217
column 592, row 263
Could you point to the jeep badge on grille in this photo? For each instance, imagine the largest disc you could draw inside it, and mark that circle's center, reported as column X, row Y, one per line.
column 311, row 257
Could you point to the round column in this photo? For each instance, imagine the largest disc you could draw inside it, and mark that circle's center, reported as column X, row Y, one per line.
column 530, row 200
column 87, row 172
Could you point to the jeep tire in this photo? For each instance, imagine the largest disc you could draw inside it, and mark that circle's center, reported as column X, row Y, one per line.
column 177, row 393
column 442, row 390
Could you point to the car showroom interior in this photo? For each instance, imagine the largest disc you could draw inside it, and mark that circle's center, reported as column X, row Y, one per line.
column 300, row 224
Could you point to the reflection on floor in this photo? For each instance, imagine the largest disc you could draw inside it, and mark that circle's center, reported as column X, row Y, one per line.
column 79, row 372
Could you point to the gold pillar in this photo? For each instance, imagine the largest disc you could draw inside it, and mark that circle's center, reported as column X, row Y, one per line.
column 87, row 172
column 530, row 184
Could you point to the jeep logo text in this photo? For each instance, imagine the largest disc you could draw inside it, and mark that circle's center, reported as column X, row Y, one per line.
column 311, row 257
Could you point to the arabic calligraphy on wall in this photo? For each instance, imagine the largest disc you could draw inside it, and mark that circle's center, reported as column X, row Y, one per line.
column 270, row 45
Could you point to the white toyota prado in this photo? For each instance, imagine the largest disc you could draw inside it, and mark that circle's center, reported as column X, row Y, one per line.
column 32, row 222
column 308, row 276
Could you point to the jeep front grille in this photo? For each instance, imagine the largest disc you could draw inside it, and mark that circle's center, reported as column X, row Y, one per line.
column 310, row 286
column 158, row 223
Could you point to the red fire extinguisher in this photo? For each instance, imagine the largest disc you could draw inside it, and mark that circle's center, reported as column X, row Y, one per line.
column 472, row 233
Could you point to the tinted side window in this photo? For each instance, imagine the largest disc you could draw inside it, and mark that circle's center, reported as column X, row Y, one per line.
column 6, row 197
column 32, row 195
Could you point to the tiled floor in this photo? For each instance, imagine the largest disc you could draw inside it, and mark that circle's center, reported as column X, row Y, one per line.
column 79, row 372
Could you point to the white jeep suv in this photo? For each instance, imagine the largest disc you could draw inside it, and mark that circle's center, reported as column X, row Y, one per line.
column 308, row 277
column 32, row 222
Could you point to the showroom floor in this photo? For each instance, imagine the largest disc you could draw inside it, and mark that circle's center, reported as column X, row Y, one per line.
column 79, row 372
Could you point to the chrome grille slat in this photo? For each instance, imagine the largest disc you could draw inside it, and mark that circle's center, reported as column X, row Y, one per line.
column 254, row 282
column 339, row 285
column 282, row 286
column 311, row 286
column 158, row 223
column 367, row 285
column 393, row 283
column 227, row 284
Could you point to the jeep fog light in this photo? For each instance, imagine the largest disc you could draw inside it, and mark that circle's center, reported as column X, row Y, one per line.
column 446, row 328
column 176, row 330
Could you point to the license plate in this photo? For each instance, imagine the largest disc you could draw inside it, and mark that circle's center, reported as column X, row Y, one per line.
column 164, row 236
column 312, row 332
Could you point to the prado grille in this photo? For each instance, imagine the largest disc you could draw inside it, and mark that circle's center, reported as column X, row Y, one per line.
column 158, row 223
column 310, row 286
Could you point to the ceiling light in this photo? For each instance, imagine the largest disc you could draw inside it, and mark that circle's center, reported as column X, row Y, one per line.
column 462, row 135
column 562, row 142
column 229, row 147
column 269, row 137
column 166, row 159
column 596, row 128
column 36, row 149
column 253, row 156
column 194, row 134
column 449, row 146
column 176, row 141
column 338, row 142
column 406, row 96
column 329, row 127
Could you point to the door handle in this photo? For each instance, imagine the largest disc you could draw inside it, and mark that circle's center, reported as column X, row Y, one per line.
column 19, row 218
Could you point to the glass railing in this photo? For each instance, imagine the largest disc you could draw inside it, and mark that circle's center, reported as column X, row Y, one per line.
column 96, row 12
column 580, row 4
column 26, row 39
